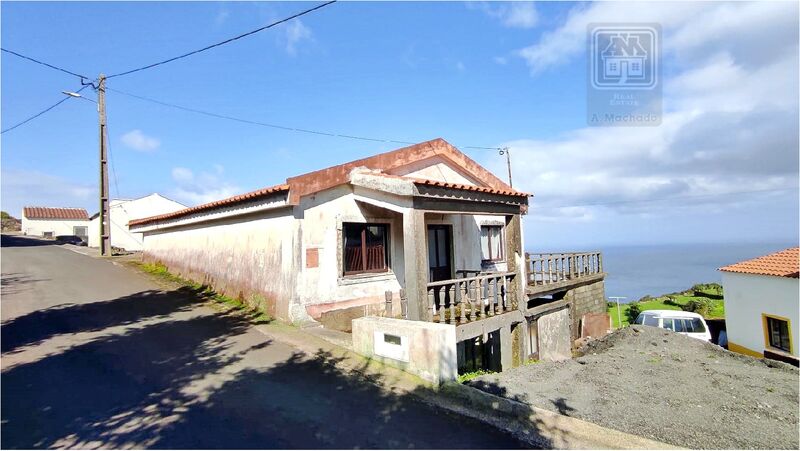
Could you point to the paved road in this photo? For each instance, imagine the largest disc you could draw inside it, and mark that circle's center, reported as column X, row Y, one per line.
column 94, row 355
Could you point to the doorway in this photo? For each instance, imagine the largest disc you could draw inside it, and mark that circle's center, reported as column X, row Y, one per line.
column 439, row 261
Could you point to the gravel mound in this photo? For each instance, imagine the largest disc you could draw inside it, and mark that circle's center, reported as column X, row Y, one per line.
column 665, row 386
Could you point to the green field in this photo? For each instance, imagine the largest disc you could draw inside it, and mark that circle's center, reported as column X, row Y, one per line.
column 717, row 309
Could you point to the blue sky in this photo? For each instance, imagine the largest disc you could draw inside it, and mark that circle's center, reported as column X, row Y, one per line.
column 478, row 74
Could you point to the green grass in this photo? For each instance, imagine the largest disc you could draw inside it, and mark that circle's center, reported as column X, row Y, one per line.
column 208, row 293
column 717, row 310
column 472, row 375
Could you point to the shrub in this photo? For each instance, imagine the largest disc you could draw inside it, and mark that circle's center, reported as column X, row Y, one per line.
column 699, row 306
column 632, row 312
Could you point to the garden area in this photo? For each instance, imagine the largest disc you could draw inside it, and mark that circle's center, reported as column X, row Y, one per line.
column 705, row 299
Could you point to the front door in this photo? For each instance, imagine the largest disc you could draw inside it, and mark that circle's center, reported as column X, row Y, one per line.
column 439, row 253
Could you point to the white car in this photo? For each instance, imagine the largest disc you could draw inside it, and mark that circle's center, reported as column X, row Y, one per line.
column 686, row 323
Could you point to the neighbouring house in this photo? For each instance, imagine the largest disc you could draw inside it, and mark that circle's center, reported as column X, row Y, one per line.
column 121, row 211
column 50, row 222
column 762, row 298
column 417, row 251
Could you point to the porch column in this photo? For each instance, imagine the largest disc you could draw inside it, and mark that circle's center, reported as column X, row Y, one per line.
column 415, row 258
column 515, row 259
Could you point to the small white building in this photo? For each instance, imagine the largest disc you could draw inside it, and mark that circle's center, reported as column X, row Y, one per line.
column 122, row 211
column 761, row 304
column 50, row 222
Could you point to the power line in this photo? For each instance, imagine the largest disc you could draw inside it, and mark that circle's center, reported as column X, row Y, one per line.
column 42, row 112
column 51, row 66
column 633, row 201
column 235, row 38
column 280, row 127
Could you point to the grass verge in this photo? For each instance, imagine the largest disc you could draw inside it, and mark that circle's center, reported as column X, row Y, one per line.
column 205, row 292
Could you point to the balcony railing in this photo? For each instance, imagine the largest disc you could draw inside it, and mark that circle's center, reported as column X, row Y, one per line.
column 467, row 299
column 548, row 269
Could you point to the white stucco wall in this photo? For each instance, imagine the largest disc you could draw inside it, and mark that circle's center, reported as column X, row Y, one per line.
column 37, row 227
column 748, row 296
column 122, row 211
column 435, row 169
column 257, row 254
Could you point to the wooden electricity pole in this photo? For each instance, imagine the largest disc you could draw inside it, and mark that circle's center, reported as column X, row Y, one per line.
column 105, row 219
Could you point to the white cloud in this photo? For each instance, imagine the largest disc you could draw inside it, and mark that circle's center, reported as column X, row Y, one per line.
column 195, row 189
column 512, row 15
column 296, row 32
column 730, row 122
column 137, row 140
column 21, row 188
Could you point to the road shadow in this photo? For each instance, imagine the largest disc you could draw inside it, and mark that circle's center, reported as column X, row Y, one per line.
column 37, row 326
column 12, row 283
column 209, row 381
column 24, row 241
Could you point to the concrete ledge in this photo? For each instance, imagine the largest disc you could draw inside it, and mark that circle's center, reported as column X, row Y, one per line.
column 540, row 427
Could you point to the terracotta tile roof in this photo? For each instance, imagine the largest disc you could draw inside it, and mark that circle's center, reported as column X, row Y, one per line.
column 482, row 189
column 785, row 263
column 316, row 181
column 55, row 213
column 217, row 203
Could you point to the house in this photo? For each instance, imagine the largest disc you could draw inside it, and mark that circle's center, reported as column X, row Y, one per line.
column 417, row 242
column 121, row 211
column 624, row 55
column 761, row 305
column 50, row 222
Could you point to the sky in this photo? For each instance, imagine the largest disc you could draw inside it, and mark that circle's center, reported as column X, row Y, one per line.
column 722, row 166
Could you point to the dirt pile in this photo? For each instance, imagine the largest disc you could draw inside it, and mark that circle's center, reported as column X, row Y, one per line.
column 666, row 386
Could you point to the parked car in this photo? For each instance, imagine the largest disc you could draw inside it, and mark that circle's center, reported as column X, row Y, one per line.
column 71, row 239
column 687, row 323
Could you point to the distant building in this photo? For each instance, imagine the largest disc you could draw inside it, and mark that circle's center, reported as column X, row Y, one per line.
column 50, row 222
column 761, row 305
column 122, row 211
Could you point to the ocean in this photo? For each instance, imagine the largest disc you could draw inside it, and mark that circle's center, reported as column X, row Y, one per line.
column 636, row 271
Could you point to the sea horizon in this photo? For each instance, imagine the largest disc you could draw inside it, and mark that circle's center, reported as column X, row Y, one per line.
column 636, row 270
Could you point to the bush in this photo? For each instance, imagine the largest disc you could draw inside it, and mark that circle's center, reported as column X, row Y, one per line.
column 699, row 306
column 632, row 312
column 670, row 301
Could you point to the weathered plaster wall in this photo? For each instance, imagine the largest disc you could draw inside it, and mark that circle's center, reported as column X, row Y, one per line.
column 37, row 227
column 435, row 168
column 255, row 257
column 325, row 288
column 467, row 239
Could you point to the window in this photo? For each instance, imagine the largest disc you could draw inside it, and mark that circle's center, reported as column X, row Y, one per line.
column 778, row 333
column 365, row 248
column 491, row 243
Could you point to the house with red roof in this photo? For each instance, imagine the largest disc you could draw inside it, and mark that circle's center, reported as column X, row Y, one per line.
column 762, row 299
column 420, row 234
column 50, row 222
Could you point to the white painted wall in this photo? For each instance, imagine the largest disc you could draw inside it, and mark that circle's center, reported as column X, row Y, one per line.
column 435, row 168
column 124, row 210
column 747, row 296
column 254, row 254
column 37, row 227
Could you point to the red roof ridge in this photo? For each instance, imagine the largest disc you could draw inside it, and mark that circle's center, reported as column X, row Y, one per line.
column 785, row 263
column 73, row 213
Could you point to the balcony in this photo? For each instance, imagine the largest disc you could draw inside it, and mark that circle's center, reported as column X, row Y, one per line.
column 472, row 298
column 551, row 273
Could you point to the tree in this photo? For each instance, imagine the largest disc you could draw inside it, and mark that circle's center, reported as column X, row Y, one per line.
column 632, row 312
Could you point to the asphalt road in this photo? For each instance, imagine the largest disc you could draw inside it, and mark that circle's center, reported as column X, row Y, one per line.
column 96, row 356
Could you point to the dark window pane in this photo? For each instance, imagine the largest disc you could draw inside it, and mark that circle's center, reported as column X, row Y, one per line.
column 778, row 334
column 697, row 325
column 353, row 260
column 432, row 248
column 679, row 325
column 376, row 247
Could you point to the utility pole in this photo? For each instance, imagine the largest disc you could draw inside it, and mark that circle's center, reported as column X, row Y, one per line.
column 507, row 152
column 105, row 220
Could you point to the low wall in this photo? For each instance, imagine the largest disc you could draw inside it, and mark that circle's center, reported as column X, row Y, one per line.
column 418, row 347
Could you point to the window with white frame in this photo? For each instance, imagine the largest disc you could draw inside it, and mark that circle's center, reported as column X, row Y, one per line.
column 492, row 243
